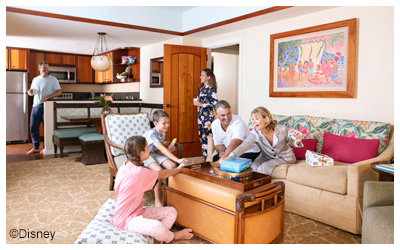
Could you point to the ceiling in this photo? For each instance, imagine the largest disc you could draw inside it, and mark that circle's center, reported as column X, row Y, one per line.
column 53, row 34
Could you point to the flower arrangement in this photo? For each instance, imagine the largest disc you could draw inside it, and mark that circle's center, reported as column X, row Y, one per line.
column 104, row 100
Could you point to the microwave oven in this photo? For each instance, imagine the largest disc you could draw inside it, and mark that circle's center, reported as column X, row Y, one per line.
column 63, row 74
column 155, row 78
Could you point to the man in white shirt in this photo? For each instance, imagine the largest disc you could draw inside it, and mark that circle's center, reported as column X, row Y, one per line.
column 43, row 88
column 228, row 132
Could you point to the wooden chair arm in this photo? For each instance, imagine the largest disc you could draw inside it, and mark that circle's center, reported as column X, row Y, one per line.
column 113, row 144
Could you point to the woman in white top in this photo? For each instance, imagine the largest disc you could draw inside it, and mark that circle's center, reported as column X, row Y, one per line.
column 273, row 141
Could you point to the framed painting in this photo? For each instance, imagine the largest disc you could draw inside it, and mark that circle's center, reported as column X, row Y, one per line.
column 316, row 61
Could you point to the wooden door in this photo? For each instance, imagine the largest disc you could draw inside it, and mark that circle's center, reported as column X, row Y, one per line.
column 182, row 68
column 18, row 59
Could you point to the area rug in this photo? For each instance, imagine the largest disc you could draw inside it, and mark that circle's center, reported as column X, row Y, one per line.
column 52, row 201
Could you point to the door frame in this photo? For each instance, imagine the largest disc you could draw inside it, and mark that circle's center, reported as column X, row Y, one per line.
column 224, row 43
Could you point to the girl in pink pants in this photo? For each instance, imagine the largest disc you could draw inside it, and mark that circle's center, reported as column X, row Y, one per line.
column 131, row 182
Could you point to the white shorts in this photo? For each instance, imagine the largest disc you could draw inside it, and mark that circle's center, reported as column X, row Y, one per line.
column 155, row 158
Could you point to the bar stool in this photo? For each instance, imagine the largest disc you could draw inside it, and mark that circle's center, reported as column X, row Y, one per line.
column 92, row 149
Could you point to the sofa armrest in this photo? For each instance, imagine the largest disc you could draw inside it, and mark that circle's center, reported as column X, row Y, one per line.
column 362, row 171
column 378, row 193
column 210, row 148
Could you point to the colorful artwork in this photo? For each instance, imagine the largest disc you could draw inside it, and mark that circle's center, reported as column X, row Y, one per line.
column 313, row 60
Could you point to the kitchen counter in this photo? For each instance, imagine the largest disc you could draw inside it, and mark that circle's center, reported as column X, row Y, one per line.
column 91, row 100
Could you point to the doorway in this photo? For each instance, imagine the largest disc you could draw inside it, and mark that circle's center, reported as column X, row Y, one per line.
column 225, row 64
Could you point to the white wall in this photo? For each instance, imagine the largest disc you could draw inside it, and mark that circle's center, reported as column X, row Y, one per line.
column 225, row 70
column 155, row 95
column 374, row 98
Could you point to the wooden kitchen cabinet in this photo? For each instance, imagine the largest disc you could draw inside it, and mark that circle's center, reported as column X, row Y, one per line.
column 7, row 65
column 120, row 67
column 35, row 57
column 17, row 59
column 54, row 59
column 84, row 70
column 67, row 60
column 104, row 77
column 155, row 67
column 59, row 59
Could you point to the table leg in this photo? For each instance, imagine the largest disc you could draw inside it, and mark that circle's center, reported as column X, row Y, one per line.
column 97, row 124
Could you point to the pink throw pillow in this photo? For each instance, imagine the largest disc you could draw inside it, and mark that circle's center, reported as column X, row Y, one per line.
column 348, row 149
column 309, row 144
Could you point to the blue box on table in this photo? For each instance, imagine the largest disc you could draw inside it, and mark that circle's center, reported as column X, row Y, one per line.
column 235, row 164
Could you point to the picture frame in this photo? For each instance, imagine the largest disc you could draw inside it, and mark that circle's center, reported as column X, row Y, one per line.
column 294, row 73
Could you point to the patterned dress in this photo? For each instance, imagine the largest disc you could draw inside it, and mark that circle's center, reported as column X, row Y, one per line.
column 208, row 96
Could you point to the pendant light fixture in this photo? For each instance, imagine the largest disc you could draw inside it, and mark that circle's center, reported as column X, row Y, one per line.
column 101, row 61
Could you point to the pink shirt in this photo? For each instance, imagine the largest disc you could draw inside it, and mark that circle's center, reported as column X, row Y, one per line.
column 130, row 184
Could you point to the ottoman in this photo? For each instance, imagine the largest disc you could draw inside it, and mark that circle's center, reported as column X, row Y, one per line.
column 92, row 149
column 219, row 214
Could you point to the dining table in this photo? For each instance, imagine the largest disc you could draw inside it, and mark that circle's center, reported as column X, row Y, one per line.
column 95, row 120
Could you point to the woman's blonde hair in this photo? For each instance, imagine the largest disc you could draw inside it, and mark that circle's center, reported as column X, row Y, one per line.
column 212, row 81
column 263, row 112
column 132, row 148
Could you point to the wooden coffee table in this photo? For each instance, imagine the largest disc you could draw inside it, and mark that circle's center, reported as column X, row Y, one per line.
column 225, row 211
column 204, row 171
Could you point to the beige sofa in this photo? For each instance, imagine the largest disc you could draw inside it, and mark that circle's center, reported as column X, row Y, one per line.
column 331, row 195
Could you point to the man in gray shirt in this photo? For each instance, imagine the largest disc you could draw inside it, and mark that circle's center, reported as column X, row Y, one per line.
column 43, row 88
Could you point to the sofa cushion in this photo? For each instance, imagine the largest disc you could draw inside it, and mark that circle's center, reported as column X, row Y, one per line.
column 348, row 149
column 92, row 137
column 311, row 127
column 315, row 127
column 363, row 130
column 101, row 231
column 308, row 144
column 329, row 178
column 73, row 132
column 119, row 160
column 280, row 172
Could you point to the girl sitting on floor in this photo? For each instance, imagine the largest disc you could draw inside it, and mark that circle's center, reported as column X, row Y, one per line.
column 131, row 182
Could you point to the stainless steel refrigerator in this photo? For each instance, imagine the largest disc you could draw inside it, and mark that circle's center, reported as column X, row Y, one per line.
column 17, row 106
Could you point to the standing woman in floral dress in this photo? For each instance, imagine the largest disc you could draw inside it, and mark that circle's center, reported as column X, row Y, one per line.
column 206, row 100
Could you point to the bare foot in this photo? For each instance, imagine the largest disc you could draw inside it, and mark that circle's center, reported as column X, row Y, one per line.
column 158, row 204
column 33, row 151
column 184, row 234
